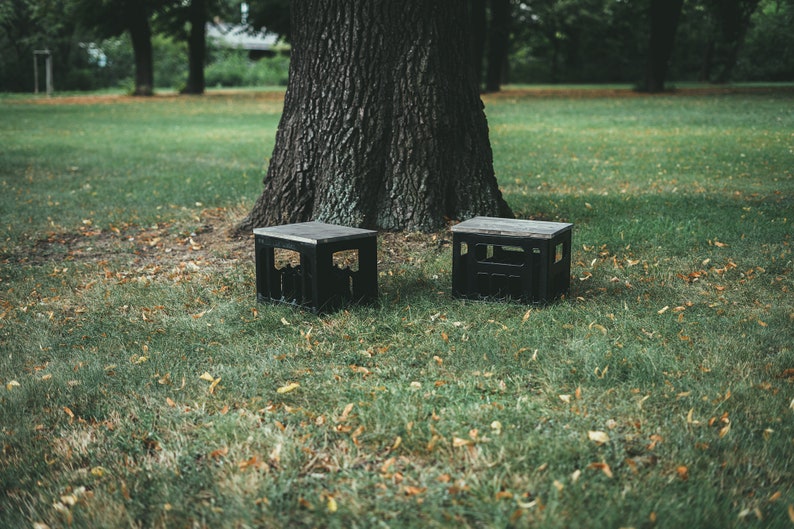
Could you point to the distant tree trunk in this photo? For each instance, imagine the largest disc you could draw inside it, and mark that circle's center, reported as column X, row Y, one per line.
column 478, row 25
column 734, row 20
column 382, row 125
column 498, row 43
column 197, row 47
column 664, row 16
column 141, row 37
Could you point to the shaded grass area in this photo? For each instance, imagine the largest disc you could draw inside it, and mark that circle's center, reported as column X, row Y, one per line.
column 142, row 385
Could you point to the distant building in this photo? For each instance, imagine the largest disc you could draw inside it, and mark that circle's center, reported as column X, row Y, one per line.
column 236, row 36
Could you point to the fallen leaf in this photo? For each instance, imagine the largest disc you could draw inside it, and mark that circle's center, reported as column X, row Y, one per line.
column 725, row 430
column 14, row 384
column 683, row 472
column 598, row 437
column 603, row 467
column 526, row 316
column 457, row 442
column 412, row 491
column 206, row 376
column 292, row 386
column 214, row 385
column 331, row 505
column 220, row 452
column 345, row 413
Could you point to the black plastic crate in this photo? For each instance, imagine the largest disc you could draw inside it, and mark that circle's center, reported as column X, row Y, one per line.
column 524, row 260
column 315, row 282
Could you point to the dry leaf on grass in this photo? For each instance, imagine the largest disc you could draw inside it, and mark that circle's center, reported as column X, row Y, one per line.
column 598, row 437
column 292, row 386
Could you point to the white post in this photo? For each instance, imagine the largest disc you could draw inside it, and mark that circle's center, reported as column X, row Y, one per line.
column 47, row 69
column 49, row 74
column 35, row 73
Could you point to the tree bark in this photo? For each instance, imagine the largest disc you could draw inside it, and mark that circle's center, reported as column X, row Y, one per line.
column 382, row 125
column 141, row 37
column 197, row 47
column 664, row 16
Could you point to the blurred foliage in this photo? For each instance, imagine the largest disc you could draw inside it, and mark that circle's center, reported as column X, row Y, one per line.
column 551, row 41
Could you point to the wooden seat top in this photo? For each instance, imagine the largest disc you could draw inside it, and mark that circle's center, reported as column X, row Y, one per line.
column 314, row 232
column 534, row 229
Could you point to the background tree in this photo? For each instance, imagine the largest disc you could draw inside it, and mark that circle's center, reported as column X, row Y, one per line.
column 111, row 18
column 187, row 20
column 768, row 51
column 664, row 16
column 730, row 22
column 382, row 123
column 498, row 44
column 478, row 31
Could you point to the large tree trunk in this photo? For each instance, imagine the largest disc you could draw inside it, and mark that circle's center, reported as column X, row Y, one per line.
column 664, row 16
column 382, row 126
column 141, row 37
column 196, row 47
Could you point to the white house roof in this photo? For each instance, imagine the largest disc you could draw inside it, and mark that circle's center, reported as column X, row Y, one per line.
column 237, row 36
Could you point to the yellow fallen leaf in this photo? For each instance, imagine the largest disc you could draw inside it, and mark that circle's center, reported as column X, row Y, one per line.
column 457, row 442
column 526, row 316
column 214, row 385
column 598, row 327
column 725, row 430
column 14, row 384
column 791, row 513
column 598, row 437
column 292, row 386
column 331, row 504
column 206, row 376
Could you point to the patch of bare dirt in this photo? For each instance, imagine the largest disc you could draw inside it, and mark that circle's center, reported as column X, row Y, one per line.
column 214, row 242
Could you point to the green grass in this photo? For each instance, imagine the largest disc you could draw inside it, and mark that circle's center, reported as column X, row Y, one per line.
column 140, row 379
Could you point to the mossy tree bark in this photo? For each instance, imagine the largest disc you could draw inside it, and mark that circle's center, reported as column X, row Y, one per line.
column 382, row 125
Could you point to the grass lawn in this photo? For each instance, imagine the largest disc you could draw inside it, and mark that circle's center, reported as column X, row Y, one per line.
column 142, row 386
